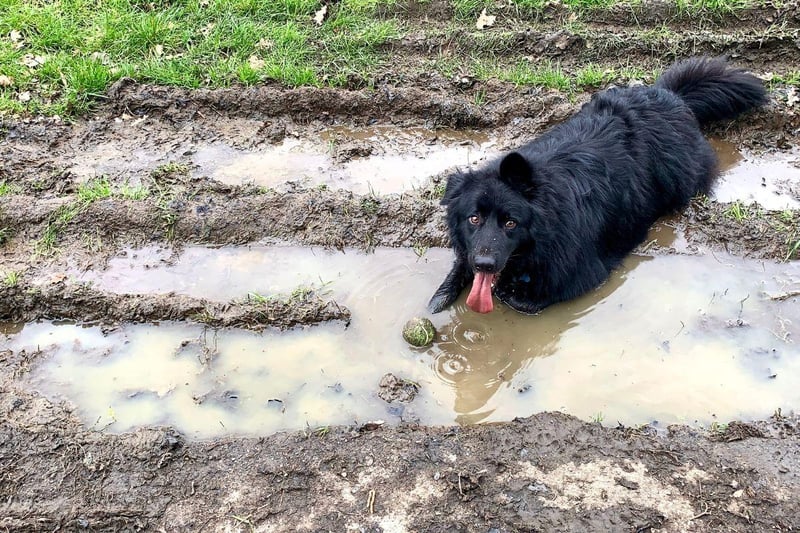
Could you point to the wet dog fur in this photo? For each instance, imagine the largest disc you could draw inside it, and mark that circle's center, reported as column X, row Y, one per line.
column 550, row 220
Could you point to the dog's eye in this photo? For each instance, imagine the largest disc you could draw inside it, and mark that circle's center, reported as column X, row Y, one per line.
column 511, row 224
column 474, row 220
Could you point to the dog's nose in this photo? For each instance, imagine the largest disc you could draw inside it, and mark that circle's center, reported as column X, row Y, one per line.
column 485, row 263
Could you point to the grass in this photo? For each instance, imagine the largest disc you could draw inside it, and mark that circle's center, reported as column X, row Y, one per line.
column 93, row 190
column 131, row 192
column 791, row 78
column 593, row 76
column 168, row 215
column 62, row 216
column 712, row 6
column 794, row 248
column 737, row 211
column 718, row 428
column 99, row 188
column 61, row 56
column 7, row 188
column 257, row 298
column 11, row 278
column 547, row 75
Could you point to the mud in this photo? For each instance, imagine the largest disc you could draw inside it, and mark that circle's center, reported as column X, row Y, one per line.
column 547, row 471
column 66, row 301
column 273, row 165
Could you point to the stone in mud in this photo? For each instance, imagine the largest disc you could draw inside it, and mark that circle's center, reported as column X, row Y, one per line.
column 419, row 332
column 393, row 389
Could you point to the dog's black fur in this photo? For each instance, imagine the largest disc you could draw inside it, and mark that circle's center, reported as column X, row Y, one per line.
column 550, row 220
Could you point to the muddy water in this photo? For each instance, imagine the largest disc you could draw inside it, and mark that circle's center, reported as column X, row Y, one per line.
column 386, row 159
column 773, row 181
column 667, row 339
column 379, row 159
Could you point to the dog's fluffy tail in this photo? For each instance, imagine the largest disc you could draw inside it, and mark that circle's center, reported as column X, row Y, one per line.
column 712, row 89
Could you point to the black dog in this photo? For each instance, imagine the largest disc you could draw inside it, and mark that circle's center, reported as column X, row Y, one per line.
column 549, row 221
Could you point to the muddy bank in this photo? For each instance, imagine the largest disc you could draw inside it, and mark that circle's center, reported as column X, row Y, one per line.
column 337, row 219
column 65, row 301
column 309, row 134
column 752, row 233
column 645, row 13
column 546, row 472
column 315, row 217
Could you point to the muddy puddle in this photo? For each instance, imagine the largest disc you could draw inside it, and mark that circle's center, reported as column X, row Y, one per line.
column 672, row 338
column 378, row 159
column 772, row 181
column 385, row 159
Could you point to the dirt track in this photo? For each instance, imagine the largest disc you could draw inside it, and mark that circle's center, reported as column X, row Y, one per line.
column 549, row 472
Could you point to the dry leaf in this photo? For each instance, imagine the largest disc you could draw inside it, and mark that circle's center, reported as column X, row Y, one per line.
column 102, row 57
column 24, row 97
column 791, row 97
column 32, row 61
column 265, row 44
column 158, row 50
column 255, row 62
column 319, row 16
column 6, row 81
column 484, row 20
column 16, row 38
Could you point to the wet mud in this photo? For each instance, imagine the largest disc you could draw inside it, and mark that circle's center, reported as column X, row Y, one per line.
column 464, row 435
column 66, row 301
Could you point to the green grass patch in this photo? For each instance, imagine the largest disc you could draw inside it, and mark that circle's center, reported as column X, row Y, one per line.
column 593, row 76
column 790, row 78
column 93, row 190
column 7, row 188
column 60, row 57
column 11, row 278
column 712, row 6
column 127, row 191
column 524, row 72
column 737, row 211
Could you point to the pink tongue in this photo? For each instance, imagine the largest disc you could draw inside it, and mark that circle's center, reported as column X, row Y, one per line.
column 480, row 297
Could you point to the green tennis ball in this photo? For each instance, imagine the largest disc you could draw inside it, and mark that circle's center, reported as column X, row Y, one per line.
column 419, row 332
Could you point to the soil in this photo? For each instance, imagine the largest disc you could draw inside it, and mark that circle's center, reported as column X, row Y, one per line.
column 548, row 472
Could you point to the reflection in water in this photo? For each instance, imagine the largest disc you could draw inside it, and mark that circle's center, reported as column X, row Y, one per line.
column 478, row 353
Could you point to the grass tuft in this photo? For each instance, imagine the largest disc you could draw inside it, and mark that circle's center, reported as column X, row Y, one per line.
column 93, row 190
column 11, row 278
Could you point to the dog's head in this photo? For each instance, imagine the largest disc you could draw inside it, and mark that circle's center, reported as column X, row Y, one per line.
column 490, row 216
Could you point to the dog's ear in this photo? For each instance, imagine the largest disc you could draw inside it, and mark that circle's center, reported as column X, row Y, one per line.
column 455, row 182
column 517, row 173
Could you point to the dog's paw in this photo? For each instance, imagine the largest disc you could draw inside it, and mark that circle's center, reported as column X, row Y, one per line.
column 519, row 305
column 439, row 302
